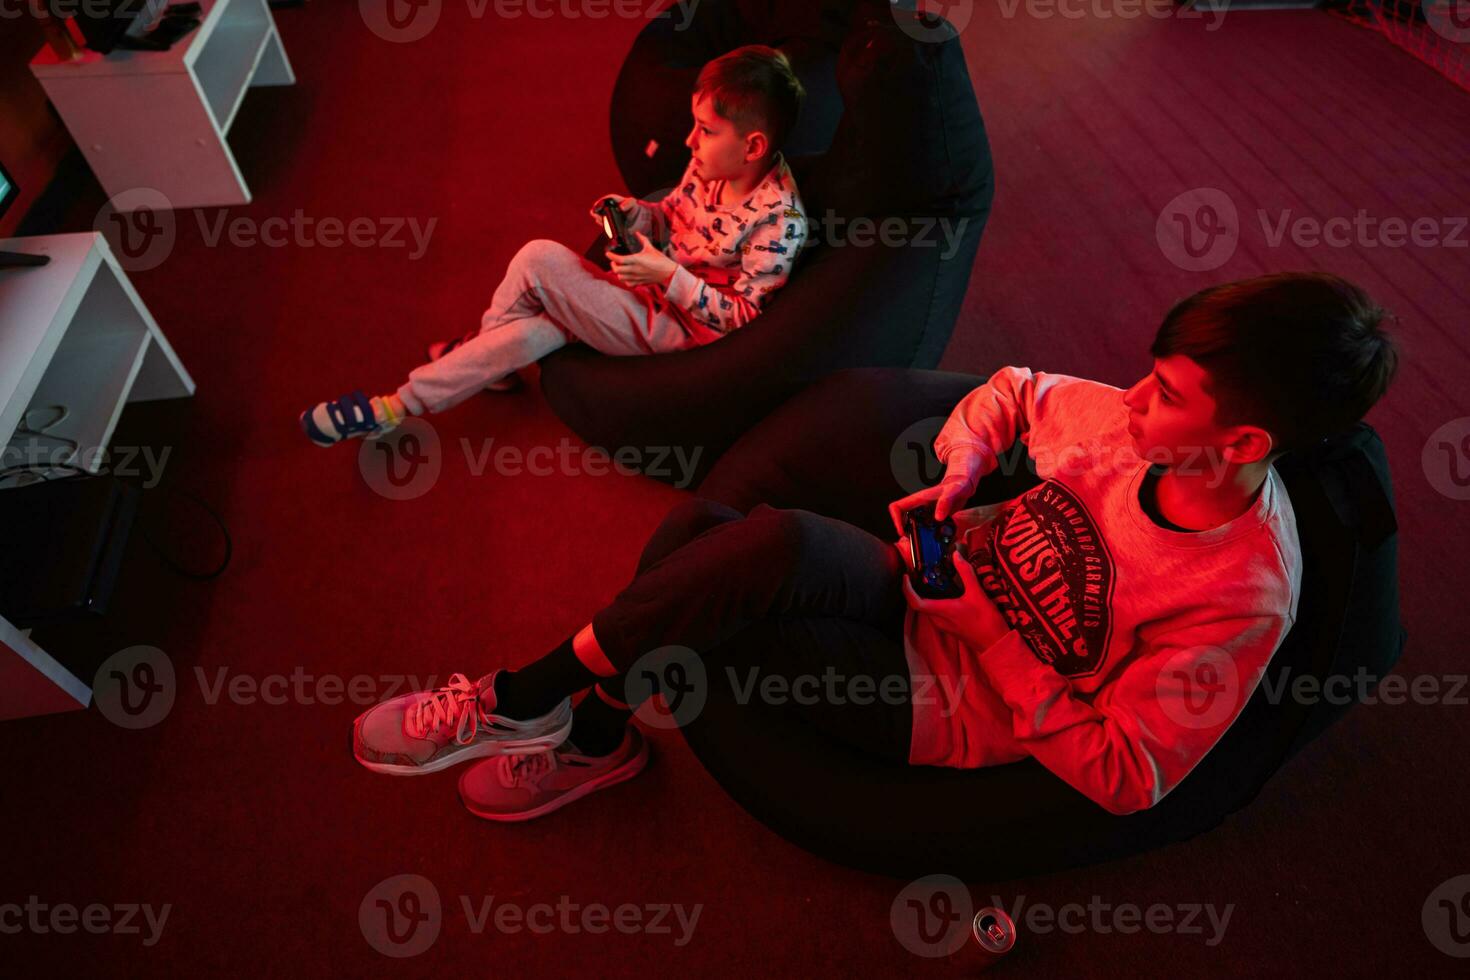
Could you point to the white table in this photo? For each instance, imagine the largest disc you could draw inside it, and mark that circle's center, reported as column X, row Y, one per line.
column 73, row 333
column 158, row 119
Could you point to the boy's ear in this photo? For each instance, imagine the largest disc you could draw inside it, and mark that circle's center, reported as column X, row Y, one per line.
column 756, row 146
column 1249, row 444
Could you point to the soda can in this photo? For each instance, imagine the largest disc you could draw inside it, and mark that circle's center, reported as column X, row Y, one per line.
column 992, row 934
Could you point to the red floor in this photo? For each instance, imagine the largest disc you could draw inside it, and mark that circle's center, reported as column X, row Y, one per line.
column 251, row 821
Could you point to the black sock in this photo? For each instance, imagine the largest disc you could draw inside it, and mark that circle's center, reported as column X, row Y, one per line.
column 540, row 685
column 598, row 727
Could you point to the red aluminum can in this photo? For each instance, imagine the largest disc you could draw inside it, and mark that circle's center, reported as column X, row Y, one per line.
column 992, row 934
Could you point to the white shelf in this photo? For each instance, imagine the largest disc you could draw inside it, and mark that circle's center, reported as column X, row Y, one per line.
column 229, row 59
column 158, row 119
column 73, row 332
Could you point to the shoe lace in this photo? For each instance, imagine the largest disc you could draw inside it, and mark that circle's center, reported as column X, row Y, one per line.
column 531, row 769
column 455, row 704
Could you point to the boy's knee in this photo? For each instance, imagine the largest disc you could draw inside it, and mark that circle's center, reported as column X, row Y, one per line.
column 542, row 253
column 682, row 524
column 782, row 538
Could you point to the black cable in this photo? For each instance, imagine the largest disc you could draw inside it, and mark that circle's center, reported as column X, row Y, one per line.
column 179, row 569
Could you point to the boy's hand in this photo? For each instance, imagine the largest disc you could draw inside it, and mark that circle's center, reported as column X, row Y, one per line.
column 643, row 267
column 626, row 204
column 971, row 618
column 948, row 496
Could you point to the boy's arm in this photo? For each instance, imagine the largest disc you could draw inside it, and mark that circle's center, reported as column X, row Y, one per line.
column 652, row 218
column 991, row 418
column 1143, row 732
column 765, row 265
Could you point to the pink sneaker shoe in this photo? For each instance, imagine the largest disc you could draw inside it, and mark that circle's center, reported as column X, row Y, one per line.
column 524, row 787
column 431, row 730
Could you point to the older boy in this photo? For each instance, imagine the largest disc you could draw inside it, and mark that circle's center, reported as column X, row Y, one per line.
column 1105, row 611
column 713, row 253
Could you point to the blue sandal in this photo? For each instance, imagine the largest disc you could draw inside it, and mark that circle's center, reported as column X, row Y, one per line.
column 348, row 417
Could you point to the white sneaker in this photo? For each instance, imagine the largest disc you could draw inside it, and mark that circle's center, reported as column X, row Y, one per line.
column 431, row 730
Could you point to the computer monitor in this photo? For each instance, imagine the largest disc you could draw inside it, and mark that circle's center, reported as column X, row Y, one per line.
column 8, row 193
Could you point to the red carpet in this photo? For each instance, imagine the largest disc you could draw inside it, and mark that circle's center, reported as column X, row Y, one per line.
column 251, row 821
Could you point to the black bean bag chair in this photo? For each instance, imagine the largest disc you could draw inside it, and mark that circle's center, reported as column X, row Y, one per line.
column 859, row 439
column 890, row 130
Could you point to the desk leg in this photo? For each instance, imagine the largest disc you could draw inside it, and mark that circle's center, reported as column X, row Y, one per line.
column 275, row 67
column 31, row 682
column 161, row 375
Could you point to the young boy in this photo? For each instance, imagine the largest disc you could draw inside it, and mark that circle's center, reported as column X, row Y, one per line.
column 1115, row 618
column 713, row 253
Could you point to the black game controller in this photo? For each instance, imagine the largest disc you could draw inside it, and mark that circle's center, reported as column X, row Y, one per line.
column 615, row 225
column 931, row 549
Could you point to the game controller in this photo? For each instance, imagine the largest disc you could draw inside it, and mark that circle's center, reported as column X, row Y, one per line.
column 615, row 226
column 931, row 550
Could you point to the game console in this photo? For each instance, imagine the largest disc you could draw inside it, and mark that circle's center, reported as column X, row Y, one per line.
column 931, row 550
column 615, row 225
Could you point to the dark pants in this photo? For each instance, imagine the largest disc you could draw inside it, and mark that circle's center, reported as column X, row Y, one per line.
column 823, row 595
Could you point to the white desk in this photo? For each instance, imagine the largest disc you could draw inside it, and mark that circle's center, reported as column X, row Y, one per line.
column 73, row 333
column 158, row 119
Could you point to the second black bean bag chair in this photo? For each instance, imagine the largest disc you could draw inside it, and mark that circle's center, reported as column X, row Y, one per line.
column 907, row 145
column 845, row 448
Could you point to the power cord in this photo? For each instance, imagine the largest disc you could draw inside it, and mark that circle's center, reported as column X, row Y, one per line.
column 177, row 567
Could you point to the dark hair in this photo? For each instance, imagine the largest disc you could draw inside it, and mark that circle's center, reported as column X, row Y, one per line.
column 1300, row 354
column 755, row 88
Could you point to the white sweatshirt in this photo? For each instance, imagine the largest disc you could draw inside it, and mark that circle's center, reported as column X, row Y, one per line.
column 733, row 256
column 1133, row 647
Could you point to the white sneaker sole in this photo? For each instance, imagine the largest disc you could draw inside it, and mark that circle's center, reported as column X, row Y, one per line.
column 621, row 774
column 479, row 750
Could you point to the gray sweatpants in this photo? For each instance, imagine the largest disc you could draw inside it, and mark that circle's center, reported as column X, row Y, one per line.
column 550, row 296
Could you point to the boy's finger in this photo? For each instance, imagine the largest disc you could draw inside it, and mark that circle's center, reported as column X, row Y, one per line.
column 965, row 572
